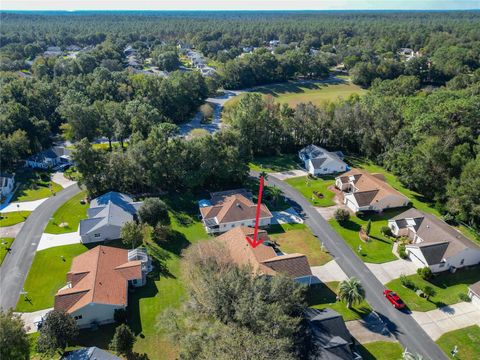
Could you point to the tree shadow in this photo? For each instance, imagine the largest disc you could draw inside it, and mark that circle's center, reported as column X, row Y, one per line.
column 379, row 239
column 351, row 225
column 99, row 337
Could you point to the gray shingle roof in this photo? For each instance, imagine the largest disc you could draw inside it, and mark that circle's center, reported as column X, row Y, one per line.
column 91, row 353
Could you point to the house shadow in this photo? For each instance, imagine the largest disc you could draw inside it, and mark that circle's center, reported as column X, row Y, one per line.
column 319, row 294
column 134, row 319
column 379, row 324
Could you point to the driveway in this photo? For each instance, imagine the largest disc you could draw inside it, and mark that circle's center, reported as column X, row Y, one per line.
column 369, row 329
column 50, row 240
column 328, row 212
column 30, row 318
column 61, row 180
column 15, row 267
column 24, row 205
column 391, row 270
column 289, row 216
column 438, row 322
column 402, row 325
column 11, row 231
column 284, row 175
column 329, row 272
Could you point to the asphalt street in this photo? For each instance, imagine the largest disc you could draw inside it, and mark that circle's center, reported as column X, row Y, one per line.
column 16, row 265
column 401, row 324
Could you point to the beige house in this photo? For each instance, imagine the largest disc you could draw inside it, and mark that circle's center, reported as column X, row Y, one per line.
column 363, row 191
column 229, row 209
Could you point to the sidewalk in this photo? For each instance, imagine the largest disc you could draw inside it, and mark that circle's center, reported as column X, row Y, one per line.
column 50, row 240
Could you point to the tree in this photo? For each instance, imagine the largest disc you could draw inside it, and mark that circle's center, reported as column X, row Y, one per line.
column 13, row 337
column 428, row 291
column 341, row 215
column 132, row 234
column 168, row 61
column 207, row 112
column 274, row 193
column 368, row 227
column 123, row 340
column 351, row 291
column 154, row 211
column 57, row 332
column 425, row 273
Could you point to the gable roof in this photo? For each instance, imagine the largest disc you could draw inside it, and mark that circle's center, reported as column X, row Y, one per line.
column 475, row 288
column 99, row 275
column 263, row 258
column 318, row 155
column 91, row 353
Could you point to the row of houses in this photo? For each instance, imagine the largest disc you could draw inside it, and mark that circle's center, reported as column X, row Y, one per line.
column 198, row 61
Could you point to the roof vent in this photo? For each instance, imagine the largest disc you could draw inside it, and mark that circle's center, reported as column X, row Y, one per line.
column 238, row 205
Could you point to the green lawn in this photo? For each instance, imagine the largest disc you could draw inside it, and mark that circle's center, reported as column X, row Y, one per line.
column 282, row 162
column 379, row 248
column 381, row 350
column 34, row 185
column 447, row 287
column 48, row 273
column 467, row 340
column 4, row 244
column 69, row 214
column 324, row 296
column 297, row 238
column 12, row 218
column 308, row 186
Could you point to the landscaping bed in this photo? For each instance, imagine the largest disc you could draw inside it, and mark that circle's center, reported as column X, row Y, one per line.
column 67, row 218
column 312, row 188
column 12, row 218
column 467, row 341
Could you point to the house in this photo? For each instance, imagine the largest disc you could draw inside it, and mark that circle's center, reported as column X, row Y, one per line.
column 98, row 283
column 264, row 259
column 474, row 294
column 368, row 192
column 90, row 353
column 7, row 183
column 274, row 43
column 228, row 209
column 53, row 51
column 318, row 161
column 75, row 48
column 328, row 335
column 106, row 216
column 433, row 242
column 56, row 156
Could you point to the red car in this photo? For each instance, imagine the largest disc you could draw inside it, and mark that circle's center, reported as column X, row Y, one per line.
column 394, row 299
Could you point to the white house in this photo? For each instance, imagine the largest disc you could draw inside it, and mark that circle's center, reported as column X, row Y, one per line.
column 363, row 191
column 474, row 293
column 229, row 209
column 318, row 161
column 98, row 283
column 50, row 158
column 7, row 183
column 106, row 216
column 433, row 242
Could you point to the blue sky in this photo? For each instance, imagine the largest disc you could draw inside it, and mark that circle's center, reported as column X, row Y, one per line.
column 239, row 4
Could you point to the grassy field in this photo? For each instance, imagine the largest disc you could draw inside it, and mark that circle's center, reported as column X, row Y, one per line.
column 325, row 295
column 48, row 273
column 34, row 185
column 69, row 214
column 4, row 244
column 379, row 248
column 467, row 340
column 447, row 287
column 282, row 162
column 12, row 218
column 297, row 238
column 381, row 350
column 308, row 186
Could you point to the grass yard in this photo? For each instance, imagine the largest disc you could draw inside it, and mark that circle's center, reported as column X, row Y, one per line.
column 297, row 238
column 69, row 214
column 381, row 350
column 4, row 244
column 447, row 287
column 282, row 162
column 320, row 185
column 48, row 273
column 12, row 218
column 379, row 248
column 34, row 185
column 467, row 340
column 324, row 296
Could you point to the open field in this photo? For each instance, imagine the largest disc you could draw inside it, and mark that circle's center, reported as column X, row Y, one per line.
column 381, row 350
column 446, row 285
column 467, row 340
column 4, row 244
column 69, row 214
column 308, row 186
column 12, row 218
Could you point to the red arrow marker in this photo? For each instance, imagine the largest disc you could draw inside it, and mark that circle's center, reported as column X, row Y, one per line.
column 255, row 241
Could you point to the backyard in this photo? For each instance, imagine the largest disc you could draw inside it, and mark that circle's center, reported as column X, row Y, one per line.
column 34, row 185
column 447, row 286
column 381, row 350
column 5, row 243
column 324, row 295
column 467, row 341
column 12, row 218
column 315, row 190
column 282, row 162
column 67, row 218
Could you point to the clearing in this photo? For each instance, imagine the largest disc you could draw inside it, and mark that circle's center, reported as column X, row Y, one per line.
column 69, row 214
column 278, row 163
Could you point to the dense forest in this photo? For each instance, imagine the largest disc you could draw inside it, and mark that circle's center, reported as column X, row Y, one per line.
column 419, row 119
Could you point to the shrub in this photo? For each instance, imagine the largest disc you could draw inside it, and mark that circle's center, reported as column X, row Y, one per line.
column 406, row 282
column 428, row 292
column 402, row 252
column 368, row 227
column 341, row 215
column 385, row 230
column 425, row 273
column 464, row 297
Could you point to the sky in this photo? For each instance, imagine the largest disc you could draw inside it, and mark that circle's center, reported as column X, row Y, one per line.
column 239, row 4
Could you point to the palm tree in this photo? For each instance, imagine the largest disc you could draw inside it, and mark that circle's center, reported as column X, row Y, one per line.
column 275, row 193
column 351, row 291
column 264, row 174
column 409, row 356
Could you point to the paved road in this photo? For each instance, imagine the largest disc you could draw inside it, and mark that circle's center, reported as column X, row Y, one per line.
column 401, row 324
column 14, row 269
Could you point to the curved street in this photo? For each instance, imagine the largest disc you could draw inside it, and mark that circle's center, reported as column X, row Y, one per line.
column 401, row 324
column 16, row 265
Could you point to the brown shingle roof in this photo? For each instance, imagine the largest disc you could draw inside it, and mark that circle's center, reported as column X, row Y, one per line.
column 99, row 275
column 475, row 288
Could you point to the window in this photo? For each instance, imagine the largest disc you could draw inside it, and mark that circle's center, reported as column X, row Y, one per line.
column 96, row 235
column 461, row 262
column 78, row 317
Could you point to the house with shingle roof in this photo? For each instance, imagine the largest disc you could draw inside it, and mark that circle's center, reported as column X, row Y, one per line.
column 7, row 183
column 363, row 191
column 318, row 161
column 90, row 353
column 229, row 209
column 57, row 155
column 264, row 258
column 106, row 216
column 98, row 283
column 433, row 242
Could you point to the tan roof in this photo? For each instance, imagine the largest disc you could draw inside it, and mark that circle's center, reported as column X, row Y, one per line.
column 99, row 275
column 263, row 258
column 475, row 288
column 232, row 207
column 371, row 187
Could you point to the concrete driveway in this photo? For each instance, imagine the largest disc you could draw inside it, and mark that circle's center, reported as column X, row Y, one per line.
column 331, row 271
column 50, row 240
column 30, row 318
column 440, row 321
column 284, row 175
column 328, row 212
column 392, row 270
column 24, row 205
column 11, row 231
column 61, row 180
column 369, row 329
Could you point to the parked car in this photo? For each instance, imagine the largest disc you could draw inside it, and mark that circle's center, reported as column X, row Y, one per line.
column 394, row 299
